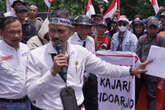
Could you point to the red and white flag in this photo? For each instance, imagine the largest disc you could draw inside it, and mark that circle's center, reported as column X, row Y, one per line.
column 90, row 9
column 155, row 5
column 115, row 5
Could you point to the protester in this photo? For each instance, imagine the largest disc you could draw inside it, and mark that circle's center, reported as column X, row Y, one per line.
column 151, row 38
column 102, row 41
column 138, row 28
column 14, row 5
column 28, row 30
column 96, row 18
column 162, row 19
column 33, row 19
column 41, row 39
column 123, row 40
column 13, row 62
column 81, row 37
column 45, row 78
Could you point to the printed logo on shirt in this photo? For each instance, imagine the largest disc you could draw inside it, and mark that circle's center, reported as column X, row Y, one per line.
column 3, row 58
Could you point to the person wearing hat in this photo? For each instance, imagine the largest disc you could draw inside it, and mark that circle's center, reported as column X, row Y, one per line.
column 33, row 19
column 82, row 28
column 138, row 27
column 14, row 4
column 46, row 78
column 102, row 41
column 145, row 41
column 162, row 19
column 124, row 40
column 27, row 28
column 96, row 18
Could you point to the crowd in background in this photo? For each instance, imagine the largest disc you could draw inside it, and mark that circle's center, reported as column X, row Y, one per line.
column 96, row 33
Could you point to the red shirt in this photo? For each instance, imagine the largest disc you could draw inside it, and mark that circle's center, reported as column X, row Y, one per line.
column 102, row 43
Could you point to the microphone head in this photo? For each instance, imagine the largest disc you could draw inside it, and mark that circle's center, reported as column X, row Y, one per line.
column 59, row 46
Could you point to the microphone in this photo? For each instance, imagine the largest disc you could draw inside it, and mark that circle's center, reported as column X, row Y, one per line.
column 59, row 48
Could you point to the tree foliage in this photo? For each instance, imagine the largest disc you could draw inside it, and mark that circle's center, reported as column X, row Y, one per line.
column 77, row 7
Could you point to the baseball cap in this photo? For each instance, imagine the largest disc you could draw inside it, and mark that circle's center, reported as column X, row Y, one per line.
column 152, row 20
column 123, row 18
column 20, row 9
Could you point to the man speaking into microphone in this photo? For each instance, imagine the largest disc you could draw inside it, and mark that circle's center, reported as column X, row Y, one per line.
column 44, row 82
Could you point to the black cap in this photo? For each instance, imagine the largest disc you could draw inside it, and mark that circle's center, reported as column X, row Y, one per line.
column 18, row 1
column 82, row 20
column 20, row 9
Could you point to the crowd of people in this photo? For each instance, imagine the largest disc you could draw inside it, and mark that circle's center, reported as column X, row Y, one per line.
column 39, row 59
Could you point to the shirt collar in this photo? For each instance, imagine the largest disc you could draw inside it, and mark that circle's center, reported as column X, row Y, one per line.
column 77, row 38
column 10, row 48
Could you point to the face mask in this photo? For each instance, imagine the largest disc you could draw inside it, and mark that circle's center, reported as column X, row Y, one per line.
column 122, row 28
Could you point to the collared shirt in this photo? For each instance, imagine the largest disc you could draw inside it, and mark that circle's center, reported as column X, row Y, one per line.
column 129, row 42
column 90, row 45
column 12, row 70
column 44, row 88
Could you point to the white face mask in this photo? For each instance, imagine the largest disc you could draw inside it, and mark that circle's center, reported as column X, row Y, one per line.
column 122, row 28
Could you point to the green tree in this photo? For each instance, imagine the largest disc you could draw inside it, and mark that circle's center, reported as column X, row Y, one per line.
column 77, row 7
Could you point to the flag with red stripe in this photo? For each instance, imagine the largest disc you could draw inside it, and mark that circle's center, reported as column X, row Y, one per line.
column 155, row 5
column 90, row 9
column 115, row 5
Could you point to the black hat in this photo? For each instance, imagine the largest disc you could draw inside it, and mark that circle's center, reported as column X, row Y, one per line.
column 18, row 1
column 20, row 9
column 82, row 20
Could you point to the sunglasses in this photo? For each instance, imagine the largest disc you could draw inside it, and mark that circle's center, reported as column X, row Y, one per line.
column 122, row 24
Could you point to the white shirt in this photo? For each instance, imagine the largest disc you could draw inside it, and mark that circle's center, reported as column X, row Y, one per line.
column 90, row 44
column 12, row 70
column 44, row 88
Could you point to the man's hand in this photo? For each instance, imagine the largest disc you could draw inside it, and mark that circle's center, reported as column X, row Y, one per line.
column 140, row 69
column 59, row 61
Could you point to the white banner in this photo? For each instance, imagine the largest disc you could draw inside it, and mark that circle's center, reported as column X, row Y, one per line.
column 117, row 93
column 156, row 68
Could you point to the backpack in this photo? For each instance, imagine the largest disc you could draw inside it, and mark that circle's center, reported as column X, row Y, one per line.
column 157, row 38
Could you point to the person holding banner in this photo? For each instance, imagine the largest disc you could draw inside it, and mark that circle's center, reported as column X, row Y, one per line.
column 151, row 38
column 47, row 76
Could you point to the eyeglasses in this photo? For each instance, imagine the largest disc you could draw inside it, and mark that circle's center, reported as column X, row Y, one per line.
column 122, row 24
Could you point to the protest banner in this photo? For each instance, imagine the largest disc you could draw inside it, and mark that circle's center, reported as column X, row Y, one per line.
column 117, row 93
